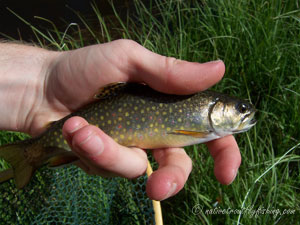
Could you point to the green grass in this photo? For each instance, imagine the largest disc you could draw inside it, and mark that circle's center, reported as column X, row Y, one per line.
column 259, row 42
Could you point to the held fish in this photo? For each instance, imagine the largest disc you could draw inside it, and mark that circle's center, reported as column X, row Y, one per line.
column 134, row 115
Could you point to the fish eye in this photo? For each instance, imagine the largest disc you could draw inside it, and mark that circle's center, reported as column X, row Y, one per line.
column 242, row 107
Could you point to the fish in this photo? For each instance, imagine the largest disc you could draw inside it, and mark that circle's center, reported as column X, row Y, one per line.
column 134, row 115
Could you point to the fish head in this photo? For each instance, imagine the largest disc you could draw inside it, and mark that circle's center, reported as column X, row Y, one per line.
column 231, row 116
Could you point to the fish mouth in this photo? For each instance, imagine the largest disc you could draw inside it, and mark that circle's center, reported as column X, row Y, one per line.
column 246, row 123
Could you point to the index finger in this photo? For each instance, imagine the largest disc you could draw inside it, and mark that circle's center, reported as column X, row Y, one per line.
column 227, row 157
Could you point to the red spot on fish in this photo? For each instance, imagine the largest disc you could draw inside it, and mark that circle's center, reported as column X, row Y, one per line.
column 119, row 126
column 150, row 117
column 113, row 114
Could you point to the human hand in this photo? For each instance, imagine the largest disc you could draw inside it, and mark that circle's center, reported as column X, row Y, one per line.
column 72, row 79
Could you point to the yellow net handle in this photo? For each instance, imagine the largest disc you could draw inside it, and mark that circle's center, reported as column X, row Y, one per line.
column 156, row 204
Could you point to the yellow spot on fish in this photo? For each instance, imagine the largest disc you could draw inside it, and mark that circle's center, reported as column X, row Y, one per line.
column 151, row 125
column 143, row 101
column 180, row 110
column 127, row 122
column 157, row 112
column 156, row 130
column 102, row 117
column 148, row 109
column 170, row 110
column 55, row 133
column 111, row 132
column 142, row 111
column 143, row 119
column 153, row 107
column 179, row 120
column 135, row 108
column 129, row 138
column 120, row 109
column 125, row 104
column 181, row 128
column 164, row 113
column 108, row 121
column 126, row 114
column 138, row 126
column 65, row 142
column 168, row 129
column 162, row 126
column 120, row 118
column 122, row 136
column 184, row 105
column 161, row 105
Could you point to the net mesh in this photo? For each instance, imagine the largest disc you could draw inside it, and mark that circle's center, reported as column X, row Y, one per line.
column 69, row 196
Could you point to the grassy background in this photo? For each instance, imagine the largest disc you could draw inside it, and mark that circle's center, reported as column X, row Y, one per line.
column 259, row 42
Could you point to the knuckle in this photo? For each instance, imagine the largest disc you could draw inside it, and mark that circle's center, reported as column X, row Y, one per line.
column 168, row 68
column 127, row 43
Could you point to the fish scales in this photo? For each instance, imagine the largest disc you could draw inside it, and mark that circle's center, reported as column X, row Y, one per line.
column 136, row 115
column 142, row 117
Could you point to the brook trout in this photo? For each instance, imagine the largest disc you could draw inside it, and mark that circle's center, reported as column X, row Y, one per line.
column 135, row 115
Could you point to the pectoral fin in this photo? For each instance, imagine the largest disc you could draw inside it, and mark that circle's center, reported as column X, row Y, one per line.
column 61, row 160
column 194, row 134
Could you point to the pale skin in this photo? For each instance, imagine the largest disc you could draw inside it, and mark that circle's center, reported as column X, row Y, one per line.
column 38, row 86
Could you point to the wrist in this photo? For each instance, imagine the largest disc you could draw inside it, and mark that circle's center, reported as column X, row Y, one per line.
column 23, row 70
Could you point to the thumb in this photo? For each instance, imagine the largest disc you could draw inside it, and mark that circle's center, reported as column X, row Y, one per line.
column 171, row 75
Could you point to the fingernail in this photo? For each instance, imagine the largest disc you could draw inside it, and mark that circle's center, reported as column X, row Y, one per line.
column 234, row 172
column 214, row 62
column 76, row 127
column 92, row 145
column 171, row 191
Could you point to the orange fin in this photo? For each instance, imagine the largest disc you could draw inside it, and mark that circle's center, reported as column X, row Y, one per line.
column 110, row 90
column 195, row 134
column 62, row 159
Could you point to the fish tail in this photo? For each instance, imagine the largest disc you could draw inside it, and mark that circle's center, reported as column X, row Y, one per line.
column 21, row 170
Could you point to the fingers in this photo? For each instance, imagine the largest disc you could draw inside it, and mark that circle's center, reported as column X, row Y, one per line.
column 174, row 76
column 167, row 74
column 100, row 154
column 227, row 157
column 174, row 169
